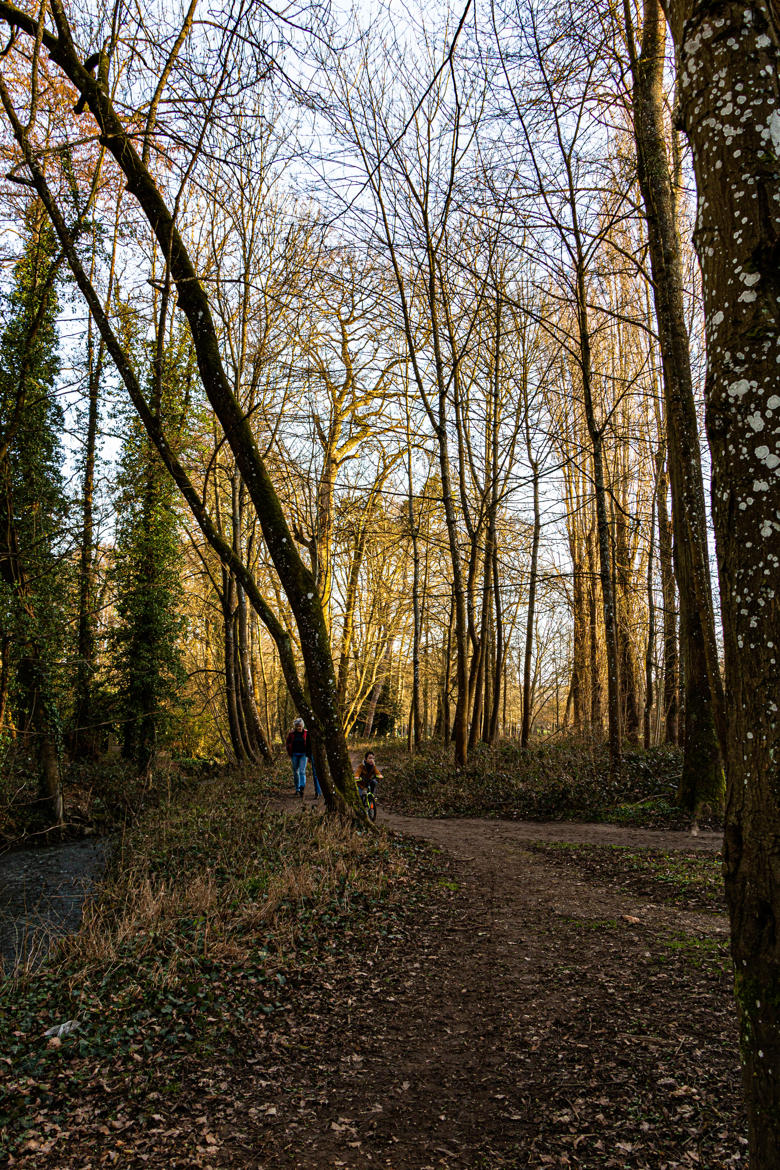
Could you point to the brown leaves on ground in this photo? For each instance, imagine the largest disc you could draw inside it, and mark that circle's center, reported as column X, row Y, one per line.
column 507, row 1010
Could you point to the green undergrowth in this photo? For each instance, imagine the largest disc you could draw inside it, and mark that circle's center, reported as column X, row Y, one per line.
column 693, row 881
column 560, row 780
column 213, row 907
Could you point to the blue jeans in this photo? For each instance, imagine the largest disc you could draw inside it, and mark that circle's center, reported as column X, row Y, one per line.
column 299, row 772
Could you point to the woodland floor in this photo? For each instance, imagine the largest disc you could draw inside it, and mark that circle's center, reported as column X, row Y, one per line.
column 534, row 1004
column 543, row 1015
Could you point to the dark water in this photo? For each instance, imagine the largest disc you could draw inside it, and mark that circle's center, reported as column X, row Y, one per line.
column 41, row 895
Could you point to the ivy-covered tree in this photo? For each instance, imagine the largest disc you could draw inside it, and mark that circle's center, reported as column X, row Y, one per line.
column 147, row 573
column 33, row 498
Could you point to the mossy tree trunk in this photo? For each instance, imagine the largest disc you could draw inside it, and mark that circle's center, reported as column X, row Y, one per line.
column 297, row 581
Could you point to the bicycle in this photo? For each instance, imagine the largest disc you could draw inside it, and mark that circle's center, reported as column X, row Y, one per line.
column 368, row 800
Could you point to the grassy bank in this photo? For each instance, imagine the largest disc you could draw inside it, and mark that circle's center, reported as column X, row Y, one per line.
column 554, row 780
column 214, row 906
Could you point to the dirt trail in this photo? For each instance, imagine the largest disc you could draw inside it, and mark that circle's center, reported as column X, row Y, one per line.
column 534, row 1018
column 456, row 834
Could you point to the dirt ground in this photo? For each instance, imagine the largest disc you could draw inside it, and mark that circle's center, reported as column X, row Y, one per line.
column 534, row 1017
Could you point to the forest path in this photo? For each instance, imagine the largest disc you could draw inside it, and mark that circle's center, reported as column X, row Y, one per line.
column 533, row 1016
column 458, row 833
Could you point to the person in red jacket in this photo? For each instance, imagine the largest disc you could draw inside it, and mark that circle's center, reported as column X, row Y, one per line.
column 298, row 746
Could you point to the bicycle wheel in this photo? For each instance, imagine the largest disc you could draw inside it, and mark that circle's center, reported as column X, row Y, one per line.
column 370, row 804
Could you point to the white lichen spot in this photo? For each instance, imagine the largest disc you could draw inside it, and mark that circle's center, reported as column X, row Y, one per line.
column 755, row 421
column 773, row 402
column 766, row 529
column 739, row 388
column 747, row 296
column 718, row 318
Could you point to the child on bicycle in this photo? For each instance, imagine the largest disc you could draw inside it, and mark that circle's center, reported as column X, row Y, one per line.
column 367, row 774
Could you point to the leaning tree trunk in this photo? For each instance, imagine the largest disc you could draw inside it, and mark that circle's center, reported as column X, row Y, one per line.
column 297, row 581
column 702, row 777
column 725, row 53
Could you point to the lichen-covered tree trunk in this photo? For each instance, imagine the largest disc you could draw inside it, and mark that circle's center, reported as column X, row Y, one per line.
column 702, row 777
column 729, row 61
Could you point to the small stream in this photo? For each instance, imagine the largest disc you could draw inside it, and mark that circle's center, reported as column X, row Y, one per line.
column 42, row 891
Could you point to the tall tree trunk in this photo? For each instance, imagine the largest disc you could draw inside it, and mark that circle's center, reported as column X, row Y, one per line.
column 5, row 646
column 668, row 593
column 33, row 675
column 650, row 647
column 446, row 729
column 722, row 53
column 600, row 491
column 702, row 777
column 596, row 713
column 499, row 674
column 481, row 656
column 531, row 613
column 580, row 673
column 350, row 601
column 629, row 689
column 84, row 740
column 381, row 679
column 323, row 545
column 259, row 743
column 415, row 732
column 236, row 727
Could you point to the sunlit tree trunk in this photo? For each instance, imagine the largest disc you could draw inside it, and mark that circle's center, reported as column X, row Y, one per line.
column 702, row 777
column 530, row 619
column 669, row 597
column 193, row 301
